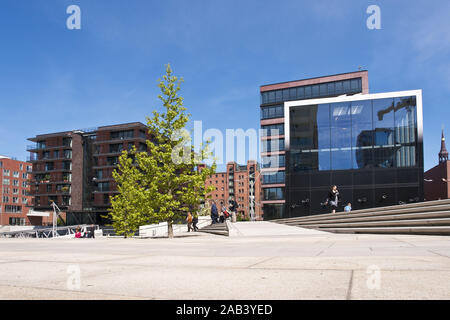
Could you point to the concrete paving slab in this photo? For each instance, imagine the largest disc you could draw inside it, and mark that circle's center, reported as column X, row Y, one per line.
column 402, row 285
column 265, row 264
column 264, row 228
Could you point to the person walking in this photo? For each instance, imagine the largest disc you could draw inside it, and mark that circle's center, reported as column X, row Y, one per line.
column 348, row 207
column 195, row 221
column 214, row 213
column 232, row 207
column 189, row 221
column 333, row 198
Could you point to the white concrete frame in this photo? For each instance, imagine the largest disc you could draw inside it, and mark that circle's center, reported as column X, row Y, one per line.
column 357, row 97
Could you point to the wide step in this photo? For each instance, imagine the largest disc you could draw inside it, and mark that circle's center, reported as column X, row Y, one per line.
column 419, row 218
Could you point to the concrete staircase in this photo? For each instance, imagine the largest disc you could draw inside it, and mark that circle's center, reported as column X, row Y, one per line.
column 217, row 228
column 428, row 218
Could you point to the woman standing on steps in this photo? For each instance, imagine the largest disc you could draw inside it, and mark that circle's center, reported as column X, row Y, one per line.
column 333, row 198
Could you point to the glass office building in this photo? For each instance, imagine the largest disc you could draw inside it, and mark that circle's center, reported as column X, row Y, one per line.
column 275, row 165
column 369, row 145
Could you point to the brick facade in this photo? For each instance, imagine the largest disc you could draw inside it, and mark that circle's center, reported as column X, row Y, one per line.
column 14, row 192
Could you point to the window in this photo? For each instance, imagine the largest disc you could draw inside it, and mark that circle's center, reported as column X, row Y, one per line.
column 272, row 130
column 341, row 157
column 6, row 172
column 5, row 199
column 16, row 174
column 272, row 145
column 383, row 133
column 24, row 176
column 13, row 209
column 56, row 154
column 114, row 148
column 405, row 131
column 6, row 182
column 67, row 165
column 272, row 112
column 15, row 183
column 24, row 200
column 103, row 186
column 49, row 166
column 273, row 193
column 273, row 211
column 273, row 161
column 127, row 134
column 5, row 190
column 67, row 142
column 16, row 221
column 15, row 191
column 68, row 154
column 40, row 145
column 24, row 184
column 46, row 155
column 112, row 161
column 15, row 200
column 273, row 177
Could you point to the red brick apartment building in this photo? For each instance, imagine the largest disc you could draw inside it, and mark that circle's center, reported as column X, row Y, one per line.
column 437, row 179
column 242, row 182
column 74, row 169
column 14, row 190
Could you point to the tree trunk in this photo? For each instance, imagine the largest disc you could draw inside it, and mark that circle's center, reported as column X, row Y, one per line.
column 170, row 229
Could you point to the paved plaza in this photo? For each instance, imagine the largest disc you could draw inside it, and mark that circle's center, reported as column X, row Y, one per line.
column 261, row 260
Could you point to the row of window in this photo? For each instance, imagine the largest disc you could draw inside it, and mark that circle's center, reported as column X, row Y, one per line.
column 6, row 190
column 15, row 183
column 273, row 193
column 313, row 91
column 50, row 166
column 273, row 177
column 277, row 161
column 66, row 154
column 272, row 145
column 46, row 178
column 66, row 142
column 13, row 209
column 16, row 221
column 14, row 200
column 272, row 112
column 66, row 201
column 272, row 130
column 16, row 174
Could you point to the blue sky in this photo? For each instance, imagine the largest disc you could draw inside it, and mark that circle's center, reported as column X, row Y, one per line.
column 54, row 79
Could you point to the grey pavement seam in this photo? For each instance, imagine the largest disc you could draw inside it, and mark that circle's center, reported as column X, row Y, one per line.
column 439, row 254
column 350, row 285
column 264, row 260
column 322, row 251
column 77, row 291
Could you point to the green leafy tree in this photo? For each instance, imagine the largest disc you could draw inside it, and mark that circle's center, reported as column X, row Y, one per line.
column 129, row 208
column 164, row 183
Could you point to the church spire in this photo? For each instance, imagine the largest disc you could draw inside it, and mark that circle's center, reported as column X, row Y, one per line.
column 443, row 154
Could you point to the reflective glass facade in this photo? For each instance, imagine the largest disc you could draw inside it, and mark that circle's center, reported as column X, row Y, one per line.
column 369, row 148
column 272, row 107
